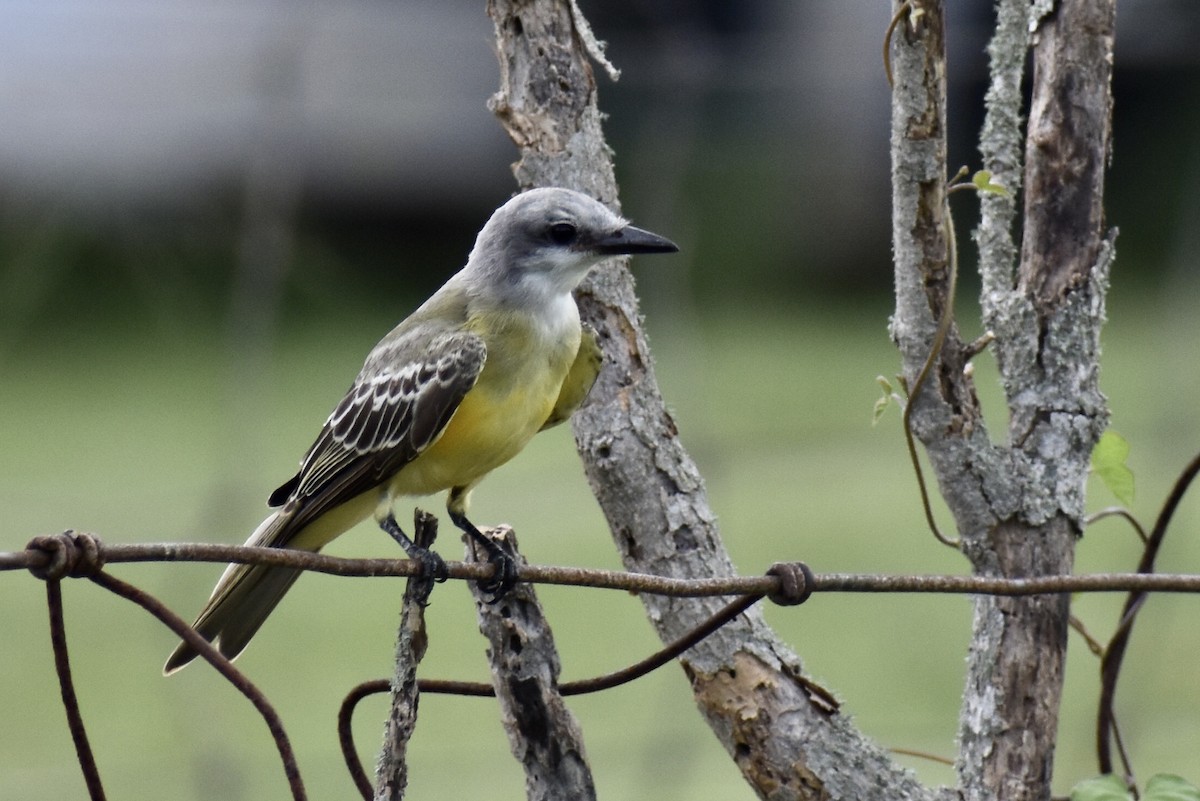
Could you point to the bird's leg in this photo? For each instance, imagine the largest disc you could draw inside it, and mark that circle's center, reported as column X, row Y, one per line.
column 432, row 565
column 504, row 577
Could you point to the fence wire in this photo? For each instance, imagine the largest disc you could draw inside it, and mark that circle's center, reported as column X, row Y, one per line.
column 74, row 554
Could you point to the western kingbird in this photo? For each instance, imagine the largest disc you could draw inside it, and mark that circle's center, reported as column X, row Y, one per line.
column 453, row 392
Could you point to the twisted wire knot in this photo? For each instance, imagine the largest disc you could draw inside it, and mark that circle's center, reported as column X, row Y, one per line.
column 73, row 554
column 796, row 582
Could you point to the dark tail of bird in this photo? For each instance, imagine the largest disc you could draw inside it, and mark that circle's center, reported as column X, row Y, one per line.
column 240, row 603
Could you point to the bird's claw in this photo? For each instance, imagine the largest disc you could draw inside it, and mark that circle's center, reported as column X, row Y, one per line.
column 504, row 574
column 433, row 566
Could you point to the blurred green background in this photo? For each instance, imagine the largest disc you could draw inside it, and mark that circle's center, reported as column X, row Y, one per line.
column 208, row 215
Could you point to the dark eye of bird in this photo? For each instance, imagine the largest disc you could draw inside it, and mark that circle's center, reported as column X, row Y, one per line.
column 562, row 233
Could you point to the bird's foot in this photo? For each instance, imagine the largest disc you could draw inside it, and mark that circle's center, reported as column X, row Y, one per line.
column 501, row 555
column 504, row 571
column 433, row 566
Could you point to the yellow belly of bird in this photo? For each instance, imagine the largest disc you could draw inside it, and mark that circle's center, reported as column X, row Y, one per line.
column 496, row 419
column 486, row 431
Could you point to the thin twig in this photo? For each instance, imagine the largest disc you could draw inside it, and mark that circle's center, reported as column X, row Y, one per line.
column 935, row 351
column 391, row 771
column 604, row 681
column 1117, row 511
column 1114, row 655
column 941, row 760
column 1126, row 764
column 62, row 665
column 1092, row 643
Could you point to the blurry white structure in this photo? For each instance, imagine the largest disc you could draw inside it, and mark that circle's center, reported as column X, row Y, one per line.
column 159, row 98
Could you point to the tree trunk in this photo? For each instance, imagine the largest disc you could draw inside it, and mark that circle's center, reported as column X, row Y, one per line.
column 1017, row 506
column 749, row 685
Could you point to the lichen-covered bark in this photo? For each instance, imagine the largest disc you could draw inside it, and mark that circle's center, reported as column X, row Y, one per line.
column 788, row 743
column 391, row 772
column 945, row 416
column 1017, row 505
column 542, row 732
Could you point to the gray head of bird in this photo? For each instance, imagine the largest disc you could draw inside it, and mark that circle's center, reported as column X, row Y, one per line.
column 546, row 240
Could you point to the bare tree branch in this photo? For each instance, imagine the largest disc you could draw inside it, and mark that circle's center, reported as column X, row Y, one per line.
column 748, row 684
column 1018, row 507
column 543, row 734
column 391, row 773
column 945, row 413
column 1048, row 330
column 1000, row 144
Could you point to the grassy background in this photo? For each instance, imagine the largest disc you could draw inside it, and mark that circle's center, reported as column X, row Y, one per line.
column 165, row 432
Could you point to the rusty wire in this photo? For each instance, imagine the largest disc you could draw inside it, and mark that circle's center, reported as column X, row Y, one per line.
column 483, row 689
column 62, row 666
column 81, row 555
column 73, row 554
column 223, row 665
column 33, row 559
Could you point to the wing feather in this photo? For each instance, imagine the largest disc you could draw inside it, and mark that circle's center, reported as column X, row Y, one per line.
column 397, row 407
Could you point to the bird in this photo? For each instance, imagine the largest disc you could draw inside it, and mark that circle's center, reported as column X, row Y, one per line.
column 454, row 391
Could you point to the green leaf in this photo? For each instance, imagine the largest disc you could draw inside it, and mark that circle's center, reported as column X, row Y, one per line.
column 881, row 404
column 1168, row 787
column 983, row 182
column 1101, row 788
column 1108, row 463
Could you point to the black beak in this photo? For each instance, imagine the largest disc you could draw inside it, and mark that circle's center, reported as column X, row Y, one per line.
column 633, row 240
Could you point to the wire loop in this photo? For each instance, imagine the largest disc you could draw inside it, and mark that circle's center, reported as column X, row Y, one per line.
column 796, row 583
column 71, row 554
